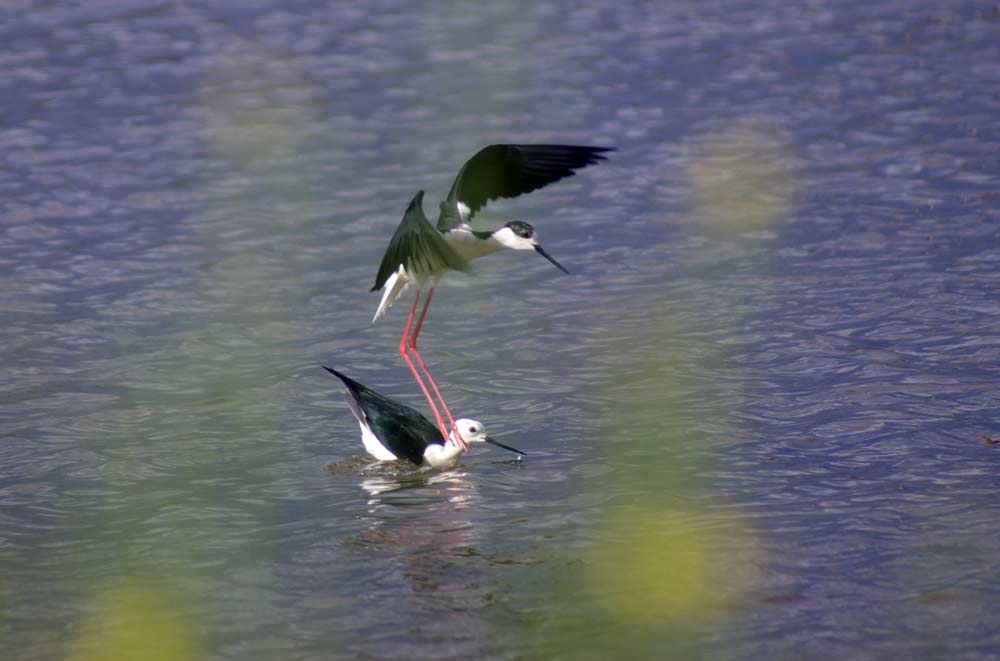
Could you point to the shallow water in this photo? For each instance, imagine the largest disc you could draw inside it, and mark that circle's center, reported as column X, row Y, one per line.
column 754, row 414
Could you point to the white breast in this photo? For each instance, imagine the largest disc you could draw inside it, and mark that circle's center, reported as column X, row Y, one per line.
column 443, row 456
column 468, row 245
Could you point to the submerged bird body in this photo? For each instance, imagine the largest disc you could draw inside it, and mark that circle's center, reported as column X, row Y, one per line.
column 391, row 430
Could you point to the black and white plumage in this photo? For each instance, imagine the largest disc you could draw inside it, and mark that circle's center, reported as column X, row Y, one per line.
column 419, row 252
column 391, row 430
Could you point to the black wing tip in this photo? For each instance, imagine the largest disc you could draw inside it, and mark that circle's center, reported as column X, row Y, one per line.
column 595, row 152
column 592, row 154
column 333, row 372
column 568, row 158
column 594, row 149
column 354, row 387
column 417, row 200
column 346, row 380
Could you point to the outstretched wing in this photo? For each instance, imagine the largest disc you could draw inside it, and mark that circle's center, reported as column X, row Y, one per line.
column 404, row 431
column 417, row 247
column 509, row 171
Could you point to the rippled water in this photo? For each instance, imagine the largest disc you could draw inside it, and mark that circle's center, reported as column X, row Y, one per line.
column 755, row 413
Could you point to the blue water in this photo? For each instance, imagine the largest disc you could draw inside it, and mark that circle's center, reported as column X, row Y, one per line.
column 754, row 415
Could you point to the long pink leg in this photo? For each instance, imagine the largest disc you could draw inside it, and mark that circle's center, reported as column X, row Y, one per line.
column 416, row 374
column 423, row 366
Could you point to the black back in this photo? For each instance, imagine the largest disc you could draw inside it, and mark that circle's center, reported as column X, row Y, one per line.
column 512, row 170
column 404, row 431
column 418, row 247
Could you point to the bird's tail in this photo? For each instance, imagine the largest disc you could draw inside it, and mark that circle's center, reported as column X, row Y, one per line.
column 394, row 288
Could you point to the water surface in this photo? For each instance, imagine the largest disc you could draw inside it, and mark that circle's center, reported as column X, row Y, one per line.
column 754, row 413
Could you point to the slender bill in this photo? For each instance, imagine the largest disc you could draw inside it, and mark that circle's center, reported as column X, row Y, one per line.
column 541, row 251
column 501, row 445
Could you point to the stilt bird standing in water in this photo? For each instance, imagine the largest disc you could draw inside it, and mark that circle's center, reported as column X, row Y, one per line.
column 390, row 430
column 420, row 253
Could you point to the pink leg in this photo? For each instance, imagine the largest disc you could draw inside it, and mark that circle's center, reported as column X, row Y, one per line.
column 416, row 374
column 423, row 366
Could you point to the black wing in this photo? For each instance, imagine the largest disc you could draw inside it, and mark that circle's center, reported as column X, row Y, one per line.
column 404, row 431
column 418, row 247
column 512, row 170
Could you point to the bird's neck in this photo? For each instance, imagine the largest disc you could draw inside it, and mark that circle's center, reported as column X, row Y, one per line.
column 470, row 244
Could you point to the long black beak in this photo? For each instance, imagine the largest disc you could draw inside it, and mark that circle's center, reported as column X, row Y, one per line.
column 501, row 445
column 541, row 251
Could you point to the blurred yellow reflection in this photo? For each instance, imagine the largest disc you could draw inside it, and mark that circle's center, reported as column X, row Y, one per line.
column 743, row 178
column 256, row 105
column 656, row 566
column 136, row 621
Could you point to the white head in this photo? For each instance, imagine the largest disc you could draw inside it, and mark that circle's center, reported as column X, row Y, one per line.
column 472, row 431
column 519, row 235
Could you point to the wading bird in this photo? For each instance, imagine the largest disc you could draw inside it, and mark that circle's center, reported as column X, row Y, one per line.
column 420, row 253
column 390, row 430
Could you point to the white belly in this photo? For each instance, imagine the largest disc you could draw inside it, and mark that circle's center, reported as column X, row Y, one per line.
column 468, row 245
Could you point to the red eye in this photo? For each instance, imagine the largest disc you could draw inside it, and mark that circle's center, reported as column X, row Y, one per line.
column 472, row 430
